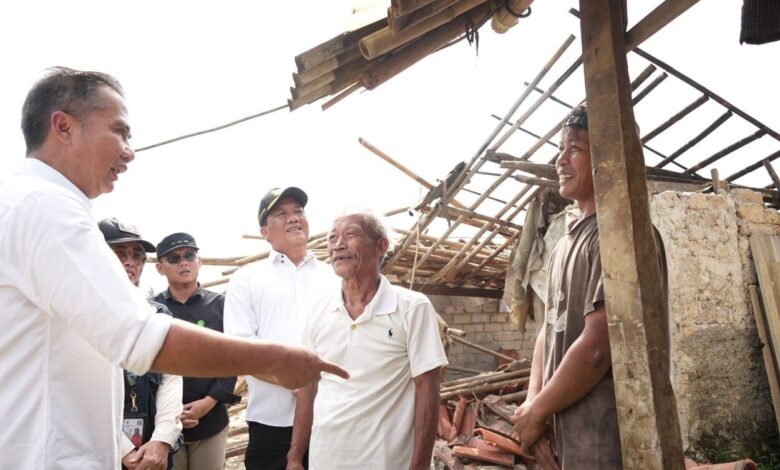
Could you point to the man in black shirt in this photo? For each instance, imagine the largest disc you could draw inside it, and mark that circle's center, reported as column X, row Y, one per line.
column 205, row 417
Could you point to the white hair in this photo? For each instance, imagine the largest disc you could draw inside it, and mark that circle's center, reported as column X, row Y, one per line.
column 374, row 223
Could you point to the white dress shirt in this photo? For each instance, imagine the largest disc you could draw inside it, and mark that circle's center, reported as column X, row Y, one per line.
column 367, row 421
column 71, row 323
column 270, row 300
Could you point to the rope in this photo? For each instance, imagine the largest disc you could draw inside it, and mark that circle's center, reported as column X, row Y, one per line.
column 213, row 129
column 472, row 34
column 522, row 14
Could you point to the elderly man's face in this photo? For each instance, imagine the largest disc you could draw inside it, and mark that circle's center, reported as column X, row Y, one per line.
column 353, row 253
column 133, row 257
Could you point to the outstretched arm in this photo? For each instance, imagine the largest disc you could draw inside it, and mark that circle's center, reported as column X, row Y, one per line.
column 191, row 351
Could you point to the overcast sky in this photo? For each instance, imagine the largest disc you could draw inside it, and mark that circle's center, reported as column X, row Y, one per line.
column 192, row 65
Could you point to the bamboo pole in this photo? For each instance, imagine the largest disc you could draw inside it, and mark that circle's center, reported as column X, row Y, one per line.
column 502, row 376
column 726, row 151
column 544, row 183
column 335, row 46
column 542, row 170
column 675, row 118
column 709, row 130
column 463, row 369
column 715, row 97
column 423, row 46
column 384, row 41
column 404, row 7
column 469, row 214
column 507, row 17
column 649, row 88
column 483, row 349
column 752, row 167
column 405, row 21
column 395, row 163
column 480, row 374
column 772, row 173
column 522, row 206
column 344, row 77
column 491, row 387
column 521, row 129
column 515, row 397
column 343, row 94
column 401, row 167
column 557, row 127
column 349, row 55
column 475, row 162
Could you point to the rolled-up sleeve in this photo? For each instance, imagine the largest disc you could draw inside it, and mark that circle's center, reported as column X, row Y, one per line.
column 167, row 422
column 221, row 389
column 70, row 273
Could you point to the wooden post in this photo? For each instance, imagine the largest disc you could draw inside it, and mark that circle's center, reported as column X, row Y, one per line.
column 647, row 410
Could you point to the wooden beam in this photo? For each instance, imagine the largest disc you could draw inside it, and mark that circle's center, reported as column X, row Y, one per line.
column 647, row 410
column 663, row 14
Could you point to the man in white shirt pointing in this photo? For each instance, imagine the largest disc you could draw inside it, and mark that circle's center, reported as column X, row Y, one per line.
column 71, row 320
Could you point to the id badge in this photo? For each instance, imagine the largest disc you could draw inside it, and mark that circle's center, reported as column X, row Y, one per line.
column 134, row 425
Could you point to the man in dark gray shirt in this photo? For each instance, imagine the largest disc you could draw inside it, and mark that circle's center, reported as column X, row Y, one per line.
column 569, row 419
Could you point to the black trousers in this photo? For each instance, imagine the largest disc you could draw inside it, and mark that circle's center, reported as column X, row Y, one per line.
column 268, row 446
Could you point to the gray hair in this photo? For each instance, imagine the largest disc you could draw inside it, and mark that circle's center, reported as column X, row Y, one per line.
column 62, row 89
column 375, row 224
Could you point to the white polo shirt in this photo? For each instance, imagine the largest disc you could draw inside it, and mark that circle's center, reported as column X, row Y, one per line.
column 271, row 300
column 71, row 322
column 368, row 420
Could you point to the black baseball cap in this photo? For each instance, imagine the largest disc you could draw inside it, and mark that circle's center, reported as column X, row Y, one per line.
column 173, row 241
column 115, row 232
column 273, row 196
column 578, row 117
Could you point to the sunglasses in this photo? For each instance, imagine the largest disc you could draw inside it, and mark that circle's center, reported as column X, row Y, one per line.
column 176, row 259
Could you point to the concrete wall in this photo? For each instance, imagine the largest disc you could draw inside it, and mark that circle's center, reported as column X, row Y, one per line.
column 718, row 371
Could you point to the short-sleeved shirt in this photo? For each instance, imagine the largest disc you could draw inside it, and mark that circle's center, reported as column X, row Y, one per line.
column 203, row 308
column 368, row 420
column 71, row 323
column 587, row 433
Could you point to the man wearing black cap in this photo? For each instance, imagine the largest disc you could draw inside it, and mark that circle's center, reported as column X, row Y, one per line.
column 205, row 417
column 153, row 400
column 270, row 300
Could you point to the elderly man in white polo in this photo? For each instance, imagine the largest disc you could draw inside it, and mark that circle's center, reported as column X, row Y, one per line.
column 385, row 415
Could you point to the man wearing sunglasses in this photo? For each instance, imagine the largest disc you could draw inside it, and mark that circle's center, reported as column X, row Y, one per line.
column 153, row 399
column 205, row 417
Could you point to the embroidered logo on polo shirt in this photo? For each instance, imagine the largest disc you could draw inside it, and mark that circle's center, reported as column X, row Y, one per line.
column 390, row 333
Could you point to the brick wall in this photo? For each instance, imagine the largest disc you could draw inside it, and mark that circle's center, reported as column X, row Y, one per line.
column 485, row 325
